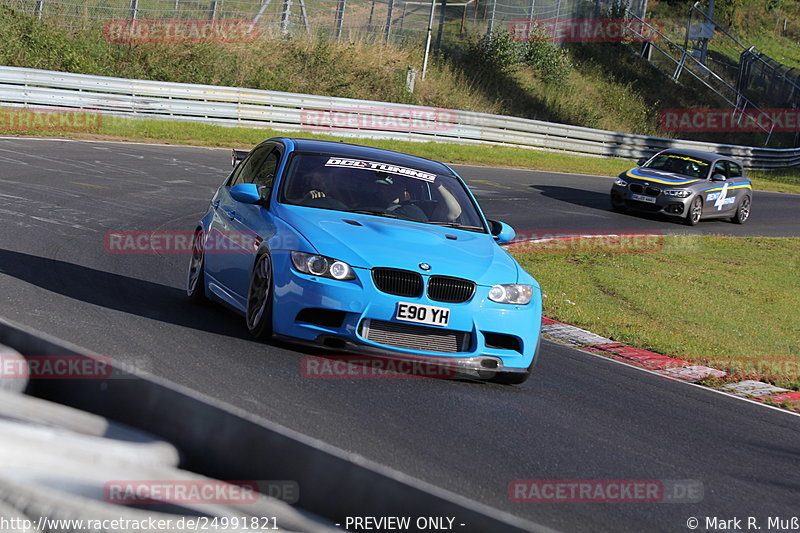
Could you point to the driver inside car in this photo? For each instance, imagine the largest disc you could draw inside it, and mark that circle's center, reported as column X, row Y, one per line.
column 395, row 196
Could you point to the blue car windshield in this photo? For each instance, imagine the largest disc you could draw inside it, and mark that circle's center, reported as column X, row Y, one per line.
column 378, row 188
column 679, row 164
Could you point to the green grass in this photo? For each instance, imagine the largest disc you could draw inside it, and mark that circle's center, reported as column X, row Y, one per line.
column 729, row 303
column 197, row 134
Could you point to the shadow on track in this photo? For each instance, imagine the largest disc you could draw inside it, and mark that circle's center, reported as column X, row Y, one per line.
column 600, row 201
column 120, row 293
column 582, row 197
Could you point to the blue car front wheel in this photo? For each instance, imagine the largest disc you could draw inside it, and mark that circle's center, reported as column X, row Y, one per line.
column 259, row 298
column 195, row 281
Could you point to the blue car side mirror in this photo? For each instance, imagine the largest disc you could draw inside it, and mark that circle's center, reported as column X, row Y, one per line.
column 247, row 193
column 502, row 232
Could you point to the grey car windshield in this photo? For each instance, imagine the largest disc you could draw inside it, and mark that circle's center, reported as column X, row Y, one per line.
column 380, row 189
column 679, row 164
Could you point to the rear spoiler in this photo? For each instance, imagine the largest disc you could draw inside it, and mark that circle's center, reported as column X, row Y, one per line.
column 238, row 155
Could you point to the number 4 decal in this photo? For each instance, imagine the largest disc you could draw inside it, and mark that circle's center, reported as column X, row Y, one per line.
column 721, row 198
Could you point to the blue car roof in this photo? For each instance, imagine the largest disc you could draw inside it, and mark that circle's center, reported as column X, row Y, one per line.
column 366, row 152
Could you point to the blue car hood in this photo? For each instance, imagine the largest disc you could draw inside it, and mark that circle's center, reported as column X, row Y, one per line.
column 394, row 243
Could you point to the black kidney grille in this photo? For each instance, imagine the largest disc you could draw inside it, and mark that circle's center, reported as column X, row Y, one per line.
column 397, row 282
column 451, row 290
column 652, row 191
column 635, row 187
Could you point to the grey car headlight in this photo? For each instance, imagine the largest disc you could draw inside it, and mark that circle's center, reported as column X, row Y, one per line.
column 319, row 265
column 621, row 182
column 511, row 293
column 678, row 193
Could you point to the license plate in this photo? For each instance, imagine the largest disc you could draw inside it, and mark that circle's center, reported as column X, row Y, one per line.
column 643, row 198
column 422, row 314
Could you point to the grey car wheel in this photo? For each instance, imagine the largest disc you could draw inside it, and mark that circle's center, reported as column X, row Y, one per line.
column 196, row 279
column 743, row 212
column 695, row 211
column 617, row 203
column 259, row 298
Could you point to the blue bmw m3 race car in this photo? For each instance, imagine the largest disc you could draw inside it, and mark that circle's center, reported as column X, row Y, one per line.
column 368, row 250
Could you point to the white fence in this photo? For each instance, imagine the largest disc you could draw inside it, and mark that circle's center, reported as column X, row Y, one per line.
column 232, row 106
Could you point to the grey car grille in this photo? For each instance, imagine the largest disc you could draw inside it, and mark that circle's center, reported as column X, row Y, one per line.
column 639, row 189
column 413, row 337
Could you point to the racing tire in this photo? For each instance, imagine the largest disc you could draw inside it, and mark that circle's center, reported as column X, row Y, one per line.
column 258, row 314
column 39, row 413
column 695, row 211
column 20, row 438
column 37, row 483
column 17, row 522
column 196, row 276
column 11, row 358
column 35, row 410
column 617, row 204
column 743, row 211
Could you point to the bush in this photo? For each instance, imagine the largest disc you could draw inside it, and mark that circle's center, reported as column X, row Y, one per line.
column 551, row 63
column 498, row 53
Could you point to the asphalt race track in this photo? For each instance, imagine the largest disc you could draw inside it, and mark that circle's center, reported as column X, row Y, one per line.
column 579, row 417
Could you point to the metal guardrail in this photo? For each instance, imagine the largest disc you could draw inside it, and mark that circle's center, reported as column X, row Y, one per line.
column 231, row 106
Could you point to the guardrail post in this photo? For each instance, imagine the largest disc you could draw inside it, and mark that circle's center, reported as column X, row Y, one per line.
column 428, row 40
column 438, row 46
column 371, row 14
column 340, row 7
column 403, row 16
column 389, row 11
column 134, row 8
column 490, row 23
column 304, row 14
column 39, row 8
column 213, row 11
column 287, row 11
column 679, row 68
column 261, row 10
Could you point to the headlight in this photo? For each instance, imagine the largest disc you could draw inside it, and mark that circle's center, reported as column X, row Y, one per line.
column 511, row 293
column 319, row 265
column 621, row 182
column 678, row 193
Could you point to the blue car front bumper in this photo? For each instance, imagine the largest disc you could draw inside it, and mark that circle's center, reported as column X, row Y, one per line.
column 481, row 335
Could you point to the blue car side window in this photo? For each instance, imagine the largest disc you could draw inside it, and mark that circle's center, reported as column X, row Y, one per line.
column 259, row 167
